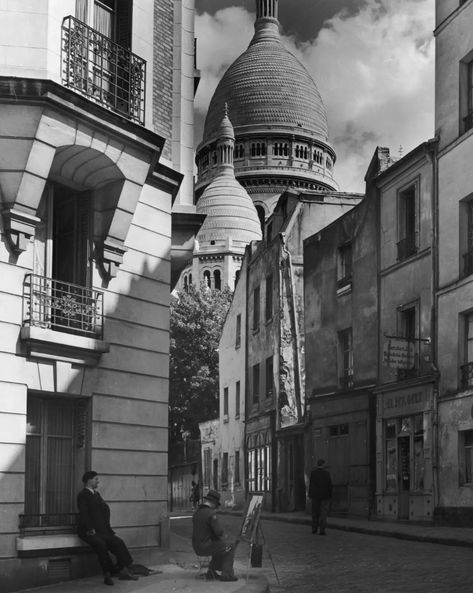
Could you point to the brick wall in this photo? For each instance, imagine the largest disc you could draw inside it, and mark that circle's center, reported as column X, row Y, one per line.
column 162, row 71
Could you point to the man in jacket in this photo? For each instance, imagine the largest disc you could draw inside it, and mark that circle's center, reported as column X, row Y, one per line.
column 320, row 491
column 94, row 528
column 208, row 540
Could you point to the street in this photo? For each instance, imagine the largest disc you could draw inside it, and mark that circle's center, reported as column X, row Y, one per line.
column 345, row 562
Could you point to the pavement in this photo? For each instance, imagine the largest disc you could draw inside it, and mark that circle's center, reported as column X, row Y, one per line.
column 180, row 571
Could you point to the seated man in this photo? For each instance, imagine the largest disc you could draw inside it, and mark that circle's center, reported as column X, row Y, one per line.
column 207, row 539
column 94, row 528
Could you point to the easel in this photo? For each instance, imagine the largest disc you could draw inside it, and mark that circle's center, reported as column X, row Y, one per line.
column 250, row 528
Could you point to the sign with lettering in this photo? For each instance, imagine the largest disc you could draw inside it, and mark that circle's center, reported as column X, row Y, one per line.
column 398, row 353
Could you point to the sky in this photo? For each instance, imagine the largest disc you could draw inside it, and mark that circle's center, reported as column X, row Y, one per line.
column 372, row 61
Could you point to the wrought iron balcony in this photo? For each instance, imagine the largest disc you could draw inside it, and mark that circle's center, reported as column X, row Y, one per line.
column 466, row 371
column 407, row 247
column 102, row 70
column 64, row 307
column 468, row 263
column 48, row 522
column 346, row 380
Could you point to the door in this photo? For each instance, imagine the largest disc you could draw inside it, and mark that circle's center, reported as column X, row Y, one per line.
column 404, row 477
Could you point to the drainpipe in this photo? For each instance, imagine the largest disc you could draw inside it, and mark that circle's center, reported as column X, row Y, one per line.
column 431, row 154
column 296, row 349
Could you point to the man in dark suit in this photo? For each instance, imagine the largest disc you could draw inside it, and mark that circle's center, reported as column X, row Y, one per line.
column 94, row 528
column 320, row 491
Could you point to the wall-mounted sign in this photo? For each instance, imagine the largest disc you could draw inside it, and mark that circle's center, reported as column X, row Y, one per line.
column 398, row 353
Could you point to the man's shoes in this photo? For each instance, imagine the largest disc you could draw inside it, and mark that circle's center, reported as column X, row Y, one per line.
column 228, row 577
column 126, row 575
column 107, row 579
column 211, row 575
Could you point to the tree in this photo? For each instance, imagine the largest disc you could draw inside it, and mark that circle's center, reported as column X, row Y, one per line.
column 196, row 323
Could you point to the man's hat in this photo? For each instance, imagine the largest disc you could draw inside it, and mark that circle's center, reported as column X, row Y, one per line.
column 321, row 463
column 213, row 496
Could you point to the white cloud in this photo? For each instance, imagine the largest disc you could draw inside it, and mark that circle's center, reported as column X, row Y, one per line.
column 374, row 70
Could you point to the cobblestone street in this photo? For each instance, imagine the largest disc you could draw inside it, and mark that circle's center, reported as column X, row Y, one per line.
column 344, row 562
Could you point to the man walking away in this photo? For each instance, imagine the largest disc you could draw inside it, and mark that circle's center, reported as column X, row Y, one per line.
column 320, row 491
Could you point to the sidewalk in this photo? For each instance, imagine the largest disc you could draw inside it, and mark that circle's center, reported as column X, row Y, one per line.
column 180, row 574
column 452, row 536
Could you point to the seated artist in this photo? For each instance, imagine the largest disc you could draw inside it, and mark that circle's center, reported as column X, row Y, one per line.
column 94, row 528
column 207, row 539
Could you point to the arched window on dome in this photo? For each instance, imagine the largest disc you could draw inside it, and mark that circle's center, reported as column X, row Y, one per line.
column 306, row 152
column 263, row 149
column 214, row 158
column 186, row 287
column 217, row 280
column 261, row 216
column 258, row 149
column 207, row 278
column 190, row 279
column 297, row 151
column 275, row 150
column 242, row 151
column 253, row 150
column 286, row 150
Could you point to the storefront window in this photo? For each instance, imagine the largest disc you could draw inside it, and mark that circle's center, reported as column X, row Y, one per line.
column 391, row 455
column 404, row 450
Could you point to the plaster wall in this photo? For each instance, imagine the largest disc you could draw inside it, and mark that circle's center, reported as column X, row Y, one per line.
column 454, row 42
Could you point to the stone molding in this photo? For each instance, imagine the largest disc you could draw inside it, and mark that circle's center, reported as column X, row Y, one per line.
column 19, row 228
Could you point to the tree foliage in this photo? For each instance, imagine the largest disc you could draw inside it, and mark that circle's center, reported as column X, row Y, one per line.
column 197, row 319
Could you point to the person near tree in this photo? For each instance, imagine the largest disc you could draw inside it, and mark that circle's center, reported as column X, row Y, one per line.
column 208, row 539
column 320, row 491
column 94, row 528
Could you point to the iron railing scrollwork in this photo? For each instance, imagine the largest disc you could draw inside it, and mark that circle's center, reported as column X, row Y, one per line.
column 466, row 371
column 407, row 246
column 103, row 70
column 61, row 306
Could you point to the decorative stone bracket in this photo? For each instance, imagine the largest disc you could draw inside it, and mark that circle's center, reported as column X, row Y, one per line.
column 19, row 228
column 109, row 256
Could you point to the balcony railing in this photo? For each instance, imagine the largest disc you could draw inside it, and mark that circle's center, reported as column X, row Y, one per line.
column 48, row 523
column 407, row 247
column 346, row 380
column 468, row 263
column 466, row 371
column 61, row 306
column 102, row 70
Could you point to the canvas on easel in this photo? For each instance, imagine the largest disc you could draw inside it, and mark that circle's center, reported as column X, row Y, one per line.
column 249, row 526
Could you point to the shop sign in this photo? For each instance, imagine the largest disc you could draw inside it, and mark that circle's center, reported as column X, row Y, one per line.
column 406, row 403
column 398, row 353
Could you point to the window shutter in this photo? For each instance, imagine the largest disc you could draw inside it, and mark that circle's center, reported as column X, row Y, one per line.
column 123, row 22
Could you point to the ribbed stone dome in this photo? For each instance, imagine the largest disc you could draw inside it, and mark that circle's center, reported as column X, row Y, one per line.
column 230, row 212
column 267, row 85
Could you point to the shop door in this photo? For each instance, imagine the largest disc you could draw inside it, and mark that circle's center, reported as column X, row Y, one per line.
column 403, row 447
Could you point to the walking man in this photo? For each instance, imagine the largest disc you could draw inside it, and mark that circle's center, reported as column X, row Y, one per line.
column 320, row 491
column 208, row 540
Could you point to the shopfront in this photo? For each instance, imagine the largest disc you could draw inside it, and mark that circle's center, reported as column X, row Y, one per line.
column 404, row 478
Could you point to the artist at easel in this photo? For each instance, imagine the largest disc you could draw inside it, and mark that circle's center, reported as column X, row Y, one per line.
column 250, row 528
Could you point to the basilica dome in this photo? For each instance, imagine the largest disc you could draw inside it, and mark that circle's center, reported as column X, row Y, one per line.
column 267, row 85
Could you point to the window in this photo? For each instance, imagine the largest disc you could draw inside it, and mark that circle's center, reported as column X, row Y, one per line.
column 259, row 463
column 466, row 236
column 465, row 453
column 408, row 329
column 466, row 93
column 407, row 223
column 225, row 403
column 269, row 376
column 339, row 430
column 215, row 475
column 237, row 478
column 207, row 467
column 345, row 353
column 207, row 278
column 54, row 458
column 217, row 280
column 256, row 305
column 237, row 399
column 256, row 383
column 269, row 298
column 225, row 470
column 344, row 265
column 238, row 331
column 467, row 368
